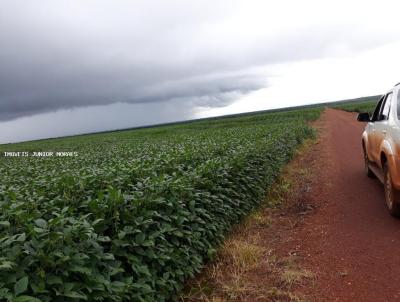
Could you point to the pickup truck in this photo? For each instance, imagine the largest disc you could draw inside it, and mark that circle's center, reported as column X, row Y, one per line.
column 381, row 146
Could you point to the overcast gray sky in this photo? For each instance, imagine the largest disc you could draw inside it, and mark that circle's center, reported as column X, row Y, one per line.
column 71, row 66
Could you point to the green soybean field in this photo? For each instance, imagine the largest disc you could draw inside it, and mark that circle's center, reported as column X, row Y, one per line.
column 366, row 104
column 131, row 215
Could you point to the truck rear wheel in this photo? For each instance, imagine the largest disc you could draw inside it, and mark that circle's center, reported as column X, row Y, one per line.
column 392, row 196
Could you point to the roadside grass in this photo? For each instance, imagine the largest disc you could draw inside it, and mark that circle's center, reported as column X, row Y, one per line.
column 248, row 266
column 292, row 273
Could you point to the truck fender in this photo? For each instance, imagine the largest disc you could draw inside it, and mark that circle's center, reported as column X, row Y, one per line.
column 364, row 139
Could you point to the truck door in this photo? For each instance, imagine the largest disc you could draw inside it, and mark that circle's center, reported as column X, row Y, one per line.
column 371, row 130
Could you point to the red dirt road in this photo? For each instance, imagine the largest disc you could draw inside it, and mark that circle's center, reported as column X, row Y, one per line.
column 351, row 242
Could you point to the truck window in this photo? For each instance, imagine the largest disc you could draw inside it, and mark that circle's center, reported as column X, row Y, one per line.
column 377, row 109
column 386, row 108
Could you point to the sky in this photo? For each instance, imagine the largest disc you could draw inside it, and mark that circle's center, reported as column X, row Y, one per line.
column 70, row 67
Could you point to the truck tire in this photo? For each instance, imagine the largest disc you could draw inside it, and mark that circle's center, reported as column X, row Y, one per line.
column 392, row 196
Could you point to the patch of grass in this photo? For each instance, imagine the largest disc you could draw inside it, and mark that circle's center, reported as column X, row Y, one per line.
column 294, row 276
column 258, row 218
column 276, row 294
column 240, row 255
column 305, row 146
column 278, row 192
column 291, row 271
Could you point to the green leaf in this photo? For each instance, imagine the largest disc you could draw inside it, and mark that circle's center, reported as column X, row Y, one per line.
column 108, row 256
column 41, row 223
column 21, row 286
column 39, row 230
column 141, row 269
column 26, row 299
column 5, row 223
column 80, row 269
column 75, row 295
column 97, row 221
column 139, row 238
column 21, row 238
column 54, row 280
column 6, row 265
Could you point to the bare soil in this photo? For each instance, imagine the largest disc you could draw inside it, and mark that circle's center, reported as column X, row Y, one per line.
column 351, row 242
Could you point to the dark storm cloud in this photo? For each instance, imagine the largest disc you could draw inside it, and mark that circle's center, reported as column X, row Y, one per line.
column 67, row 54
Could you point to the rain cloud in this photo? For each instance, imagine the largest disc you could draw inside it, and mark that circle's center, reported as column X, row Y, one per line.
column 60, row 55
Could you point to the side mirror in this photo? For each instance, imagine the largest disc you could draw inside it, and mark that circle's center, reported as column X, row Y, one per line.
column 363, row 117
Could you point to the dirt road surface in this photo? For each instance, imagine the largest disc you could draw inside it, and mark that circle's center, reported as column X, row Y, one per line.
column 351, row 242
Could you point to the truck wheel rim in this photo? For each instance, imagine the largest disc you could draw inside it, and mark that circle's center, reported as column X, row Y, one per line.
column 388, row 190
